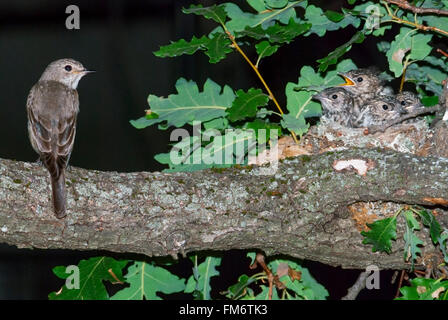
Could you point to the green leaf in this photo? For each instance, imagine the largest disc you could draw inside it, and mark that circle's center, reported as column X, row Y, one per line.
column 428, row 219
column 181, row 47
column 420, row 47
column 424, row 289
column 219, row 124
column 278, row 33
column 306, row 288
column 200, row 280
column 188, row 104
column 239, row 289
column 239, row 19
column 379, row 32
column 146, row 280
column 265, row 49
column 428, row 77
column 383, row 46
column 258, row 5
column 218, row 47
column 252, row 255
column 321, row 24
column 276, row 4
column 443, row 243
column 214, row 12
column 257, row 125
column 212, row 150
column 92, row 273
column 246, row 104
column 334, row 56
column 264, row 294
column 291, row 122
column 407, row 42
column 334, row 15
column 429, row 101
column 381, row 233
column 412, row 242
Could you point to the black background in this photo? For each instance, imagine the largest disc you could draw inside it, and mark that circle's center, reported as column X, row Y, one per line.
column 117, row 38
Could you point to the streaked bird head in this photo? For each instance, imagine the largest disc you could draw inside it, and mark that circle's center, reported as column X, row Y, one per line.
column 409, row 101
column 361, row 81
column 334, row 99
column 66, row 71
column 386, row 108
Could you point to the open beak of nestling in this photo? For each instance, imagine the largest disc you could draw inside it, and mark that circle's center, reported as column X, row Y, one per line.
column 348, row 81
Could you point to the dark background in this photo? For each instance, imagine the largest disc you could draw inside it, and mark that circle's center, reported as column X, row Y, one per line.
column 116, row 39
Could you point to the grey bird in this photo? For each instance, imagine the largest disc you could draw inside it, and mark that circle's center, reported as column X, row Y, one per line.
column 378, row 111
column 337, row 104
column 52, row 109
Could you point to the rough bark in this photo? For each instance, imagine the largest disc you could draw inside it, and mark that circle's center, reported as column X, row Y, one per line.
column 299, row 211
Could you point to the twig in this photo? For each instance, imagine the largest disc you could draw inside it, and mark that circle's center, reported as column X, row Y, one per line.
column 272, row 279
column 254, row 67
column 382, row 128
column 355, row 289
column 442, row 52
column 414, row 24
column 405, row 5
column 400, row 283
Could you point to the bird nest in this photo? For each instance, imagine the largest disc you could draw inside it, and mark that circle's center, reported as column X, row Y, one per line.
column 415, row 138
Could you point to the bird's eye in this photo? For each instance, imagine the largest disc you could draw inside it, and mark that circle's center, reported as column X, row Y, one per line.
column 359, row 79
column 403, row 103
column 334, row 97
column 68, row 68
column 385, row 107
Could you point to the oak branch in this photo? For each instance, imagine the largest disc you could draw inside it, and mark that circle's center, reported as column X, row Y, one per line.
column 300, row 211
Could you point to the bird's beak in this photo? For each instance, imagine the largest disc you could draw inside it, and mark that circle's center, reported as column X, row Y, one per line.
column 88, row 71
column 83, row 71
column 348, row 81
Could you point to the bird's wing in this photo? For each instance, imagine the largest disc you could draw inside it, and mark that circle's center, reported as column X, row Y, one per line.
column 39, row 127
column 52, row 111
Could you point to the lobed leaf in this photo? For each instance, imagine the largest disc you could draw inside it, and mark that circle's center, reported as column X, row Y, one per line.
column 428, row 219
column 218, row 47
column 214, row 12
column 188, row 104
column 381, row 233
column 92, row 273
column 146, row 280
column 265, row 49
column 412, row 242
column 407, row 42
column 246, row 104
column 181, row 47
column 200, row 281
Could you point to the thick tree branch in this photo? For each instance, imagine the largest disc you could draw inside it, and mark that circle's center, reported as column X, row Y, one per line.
column 300, row 211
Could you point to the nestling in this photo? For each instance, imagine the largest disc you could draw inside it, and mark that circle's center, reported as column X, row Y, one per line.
column 378, row 111
column 337, row 104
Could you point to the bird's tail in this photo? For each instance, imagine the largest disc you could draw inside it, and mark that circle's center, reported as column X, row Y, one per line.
column 58, row 190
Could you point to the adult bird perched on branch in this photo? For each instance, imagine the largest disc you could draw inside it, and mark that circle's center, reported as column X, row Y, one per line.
column 52, row 108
